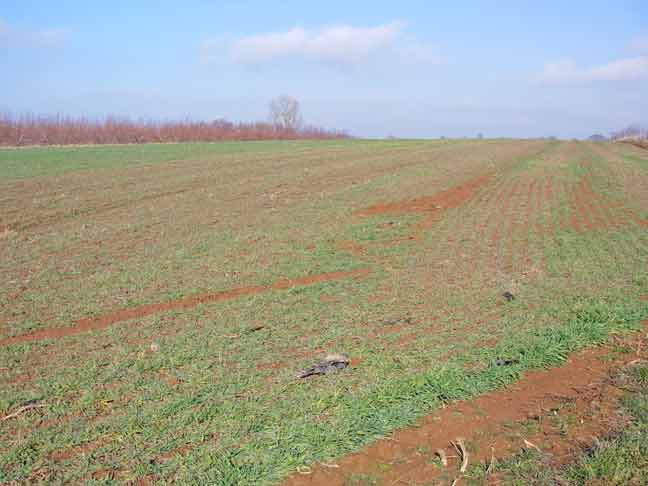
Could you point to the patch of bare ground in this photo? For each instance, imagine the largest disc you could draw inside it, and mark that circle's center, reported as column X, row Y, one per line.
column 6, row 232
column 351, row 246
column 559, row 411
column 591, row 211
column 75, row 451
column 17, row 379
column 103, row 321
column 431, row 207
column 626, row 175
column 182, row 450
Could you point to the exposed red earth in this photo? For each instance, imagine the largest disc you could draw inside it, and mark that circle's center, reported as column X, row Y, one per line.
column 100, row 322
column 431, row 207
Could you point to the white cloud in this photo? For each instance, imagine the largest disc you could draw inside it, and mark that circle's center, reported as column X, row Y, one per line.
column 12, row 36
column 343, row 45
column 565, row 71
column 630, row 69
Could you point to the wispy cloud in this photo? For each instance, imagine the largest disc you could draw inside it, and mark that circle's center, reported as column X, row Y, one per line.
column 343, row 45
column 19, row 37
column 566, row 71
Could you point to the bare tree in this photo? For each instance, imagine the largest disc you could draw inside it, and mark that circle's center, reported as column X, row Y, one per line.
column 285, row 113
column 631, row 131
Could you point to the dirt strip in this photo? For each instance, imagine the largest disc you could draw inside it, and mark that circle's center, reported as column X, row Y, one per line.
column 103, row 321
column 450, row 198
column 557, row 411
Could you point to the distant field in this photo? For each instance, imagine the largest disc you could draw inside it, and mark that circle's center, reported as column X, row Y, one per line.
column 157, row 300
column 38, row 161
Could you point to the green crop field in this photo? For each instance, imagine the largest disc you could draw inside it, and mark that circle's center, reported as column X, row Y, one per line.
column 157, row 301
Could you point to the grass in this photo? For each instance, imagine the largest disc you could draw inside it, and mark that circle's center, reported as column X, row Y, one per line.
column 215, row 402
column 48, row 161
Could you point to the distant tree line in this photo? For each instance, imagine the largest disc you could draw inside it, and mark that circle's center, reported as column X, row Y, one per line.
column 30, row 129
column 631, row 132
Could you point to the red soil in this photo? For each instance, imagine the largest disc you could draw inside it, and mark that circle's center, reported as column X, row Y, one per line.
column 72, row 452
column 351, row 246
column 14, row 380
column 513, row 223
column 183, row 450
column 525, row 224
column 103, row 321
column 430, row 206
column 590, row 211
column 496, row 425
column 275, row 365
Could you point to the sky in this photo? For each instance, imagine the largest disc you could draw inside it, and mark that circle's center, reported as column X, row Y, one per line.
column 417, row 69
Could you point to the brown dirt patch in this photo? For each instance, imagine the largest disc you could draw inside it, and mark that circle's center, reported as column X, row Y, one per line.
column 103, row 321
column 183, row 450
column 270, row 366
column 6, row 232
column 590, row 211
column 18, row 379
column 169, row 379
column 72, row 452
column 351, row 246
column 430, row 206
column 559, row 411
column 449, row 198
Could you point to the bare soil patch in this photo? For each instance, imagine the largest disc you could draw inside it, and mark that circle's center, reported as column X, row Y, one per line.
column 430, row 206
column 71, row 453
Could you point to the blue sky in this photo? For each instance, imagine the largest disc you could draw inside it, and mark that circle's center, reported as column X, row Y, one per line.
column 408, row 68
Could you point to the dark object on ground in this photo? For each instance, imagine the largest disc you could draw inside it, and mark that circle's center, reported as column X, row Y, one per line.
column 331, row 364
column 508, row 296
column 28, row 405
column 393, row 322
column 506, row 362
